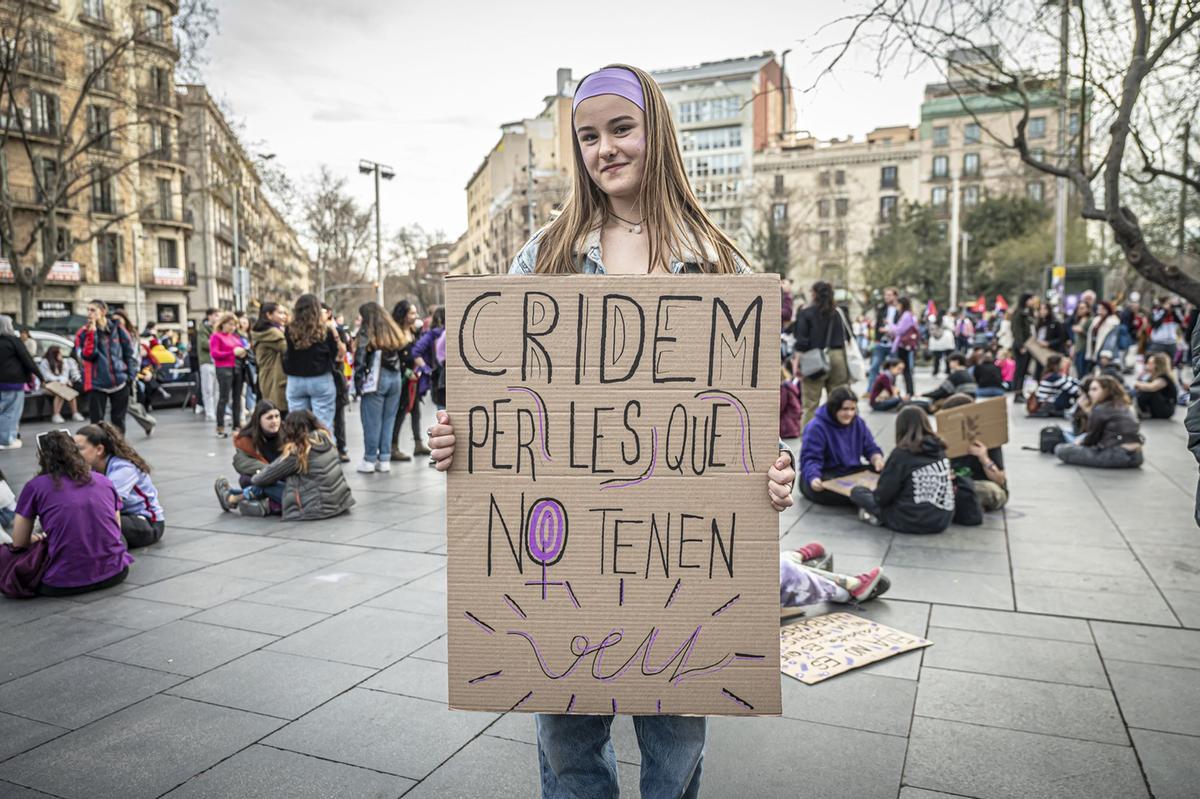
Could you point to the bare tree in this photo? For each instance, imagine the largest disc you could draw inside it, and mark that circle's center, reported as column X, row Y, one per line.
column 407, row 277
column 1131, row 68
column 342, row 233
column 79, row 151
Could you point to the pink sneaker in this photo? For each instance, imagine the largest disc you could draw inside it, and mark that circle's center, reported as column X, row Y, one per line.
column 870, row 585
column 811, row 551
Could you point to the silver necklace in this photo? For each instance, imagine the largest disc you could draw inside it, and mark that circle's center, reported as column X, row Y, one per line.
column 633, row 227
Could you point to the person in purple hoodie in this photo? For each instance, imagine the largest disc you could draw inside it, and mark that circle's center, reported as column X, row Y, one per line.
column 836, row 443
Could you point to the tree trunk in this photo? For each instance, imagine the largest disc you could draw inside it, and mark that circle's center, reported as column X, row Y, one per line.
column 1128, row 236
column 27, row 316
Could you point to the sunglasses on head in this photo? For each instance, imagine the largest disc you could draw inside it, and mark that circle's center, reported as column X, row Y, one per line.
column 45, row 433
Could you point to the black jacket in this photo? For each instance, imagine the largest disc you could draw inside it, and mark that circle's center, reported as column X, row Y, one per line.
column 881, row 322
column 915, row 492
column 1192, row 420
column 16, row 364
column 1056, row 335
column 959, row 381
column 1022, row 327
column 988, row 375
column 813, row 329
column 319, row 359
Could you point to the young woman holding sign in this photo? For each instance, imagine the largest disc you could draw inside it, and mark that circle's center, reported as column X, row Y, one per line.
column 631, row 202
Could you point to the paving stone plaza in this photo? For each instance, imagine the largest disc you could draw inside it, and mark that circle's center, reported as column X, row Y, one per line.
column 258, row 658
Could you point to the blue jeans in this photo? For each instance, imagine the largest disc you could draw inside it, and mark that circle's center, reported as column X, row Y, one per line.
column 317, row 394
column 12, row 405
column 886, row 405
column 576, row 757
column 6, row 518
column 273, row 491
column 988, row 391
column 378, row 415
column 879, row 354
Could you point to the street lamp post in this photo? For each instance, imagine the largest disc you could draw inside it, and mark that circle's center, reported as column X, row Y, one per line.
column 954, row 231
column 386, row 173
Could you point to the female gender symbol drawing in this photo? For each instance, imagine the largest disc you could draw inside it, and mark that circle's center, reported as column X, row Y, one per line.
column 546, row 536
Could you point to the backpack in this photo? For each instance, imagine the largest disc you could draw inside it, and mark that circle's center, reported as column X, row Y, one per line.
column 1050, row 437
column 967, row 510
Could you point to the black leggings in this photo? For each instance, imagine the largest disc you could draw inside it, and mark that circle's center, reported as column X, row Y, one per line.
column 138, row 531
column 98, row 400
column 49, row 590
column 415, row 415
column 224, row 395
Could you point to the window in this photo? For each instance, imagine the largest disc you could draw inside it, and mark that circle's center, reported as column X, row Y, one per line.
column 711, row 139
column 971, row 133
column 839, row 239
column 823, row 179
column 970, row 196
column 779, row 184
column 94, row 9
column 1035, row 190
column 971, row 165
column 823, row 209
column 164, row 199
column 839, row 177
column 168, row 254
column 99, row 127
column 1038, row 153
column 779, row 215
column 938, row 197
column 941, row 166
column 825, row 241
column 888, row 177
column 160, row 84
column 842, row 206
column 1073, row 123
column 707, row 110
column 60, row 248
column 160, row 139
column 941, row 136
column 887, row 208
column 103, row 200
column 154, row 23
column 41, row 51
column 108, row 257
column 1036, row 128
column 47, row 169
column 44, row 113
column 94, row 56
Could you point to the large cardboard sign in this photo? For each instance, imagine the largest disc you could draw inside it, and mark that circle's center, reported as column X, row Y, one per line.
column 816, row 649
column 986, row 420
column 611, row 543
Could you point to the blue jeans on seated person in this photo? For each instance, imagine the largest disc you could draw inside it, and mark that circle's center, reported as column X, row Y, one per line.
column 576, row 757
column 986, row 392
column 273, row 491
column 887, row 404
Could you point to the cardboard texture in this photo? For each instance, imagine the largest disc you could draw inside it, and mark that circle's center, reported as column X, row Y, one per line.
column 611, row 545
column 1038, row 350
column 61, row 390
column 843, row 485
column 986, row 420
column 813, row 650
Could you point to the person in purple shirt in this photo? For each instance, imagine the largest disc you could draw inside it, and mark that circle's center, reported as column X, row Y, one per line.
column 836, row 443
column 80, row 515
column 106, row 450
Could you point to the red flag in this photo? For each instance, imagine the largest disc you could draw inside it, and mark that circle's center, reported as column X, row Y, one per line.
column 980, row 305
column 930, row 310
column 1001, row 303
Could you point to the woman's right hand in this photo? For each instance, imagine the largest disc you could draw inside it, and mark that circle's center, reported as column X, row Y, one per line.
column 816, row 484
column 441, row 442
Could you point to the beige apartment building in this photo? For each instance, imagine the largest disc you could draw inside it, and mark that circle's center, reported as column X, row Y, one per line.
column 93, row 98
column 271, row 265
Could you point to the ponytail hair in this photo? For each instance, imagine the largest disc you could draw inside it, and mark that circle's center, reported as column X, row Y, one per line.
column 105, row 435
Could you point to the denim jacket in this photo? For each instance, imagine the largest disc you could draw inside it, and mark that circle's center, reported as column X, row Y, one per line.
column 526, row 262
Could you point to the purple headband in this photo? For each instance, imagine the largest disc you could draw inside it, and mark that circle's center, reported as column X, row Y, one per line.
column 610, row 80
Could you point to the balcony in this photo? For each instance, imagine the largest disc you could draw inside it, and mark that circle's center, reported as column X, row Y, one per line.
column 107, row 206
column 45, row 68
column 163, row 155
column 159, row 38
column 100, row 20
column 158, row 98
column 48, row 5
column 30, row 198
column 155, row 215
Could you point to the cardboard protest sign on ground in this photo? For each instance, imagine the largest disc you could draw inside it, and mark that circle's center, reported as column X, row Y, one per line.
column 816, row 649
column 986, row 420
column 843, row 485
column 611, row 544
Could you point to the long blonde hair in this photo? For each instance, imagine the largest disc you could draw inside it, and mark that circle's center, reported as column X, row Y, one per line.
column 379, row 329
column 674, row 219
column 1160, row 366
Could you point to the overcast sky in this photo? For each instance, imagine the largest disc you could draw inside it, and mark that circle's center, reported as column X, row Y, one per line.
column 422, row 85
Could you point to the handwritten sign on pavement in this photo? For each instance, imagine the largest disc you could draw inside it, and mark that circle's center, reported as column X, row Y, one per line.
column 813, row 650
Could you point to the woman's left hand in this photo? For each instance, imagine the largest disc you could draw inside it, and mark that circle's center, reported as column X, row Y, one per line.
column 877, row 462
column 781, row 477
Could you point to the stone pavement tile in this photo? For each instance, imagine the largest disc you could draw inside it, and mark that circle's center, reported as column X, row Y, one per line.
column 921, row 793
column 955, row 539
column 388, row 563
column 141, row 751
column 269, row 619
column 412, row 600
column 184, row 647
column 20, row 611
column 1140, row 644
column 1171, row 566
column 251, row 526
column 1067, row 711
column 1072, row 558
column 148, row 568
column 371, row 637
column 385, row 732
column 1068, row 532
column 1008, row 623
column 857, row 700
column 199, row 589
column 1013, row 656
column 507, row 768
column 51, row 640
column 849, row 537
column 314, row 549
column 273, row 683
column 435, row 651
column 423, row 679
column 124, row 611
column 1163, row 698
column 950, row 587
column 263, row 772
column 759, row 757
column 1170, row 762
column 1178, row 529
column 392, row 538
column 962, row 560
column 19, row 735
column 1089, row 596
column 10, row 791
column 328, row 590
column 522, row 727
column 337, row 531
column 434, row 581
column 1186, row 605
column 434, row 522
column 81, row 690
column 214, row 547
column 268, row 566
column 989, row 762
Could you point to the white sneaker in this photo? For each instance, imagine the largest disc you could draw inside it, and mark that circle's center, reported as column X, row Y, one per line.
column 366, row 467
column 77, row 417
column 57, row 418
column 16, row 444
column 383, row 466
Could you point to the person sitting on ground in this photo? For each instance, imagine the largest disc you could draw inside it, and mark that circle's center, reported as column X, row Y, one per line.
column 959, row 381
column 836, row 443
column 79, row 512
column 885, row 396
column 915, row 493
column 1107, row 364
column 64, row 371
column 806, row 578
column 255, row 447
column 984, row 465
column 1112, row 439
column 1057, row 392
column 106, row 450
column 8, row 510
column 989, row 376
column 309, row 466
column 1157, row 394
